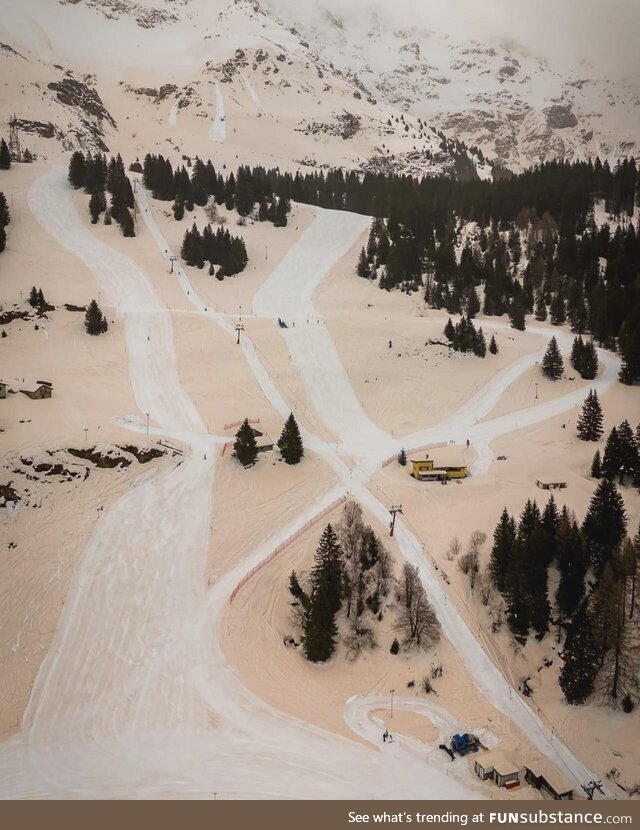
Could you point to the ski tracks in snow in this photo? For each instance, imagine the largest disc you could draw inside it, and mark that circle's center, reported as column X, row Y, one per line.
column 218, row 131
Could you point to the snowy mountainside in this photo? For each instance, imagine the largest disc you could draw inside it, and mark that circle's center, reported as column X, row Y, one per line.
column 501, row 98
column 200, row 77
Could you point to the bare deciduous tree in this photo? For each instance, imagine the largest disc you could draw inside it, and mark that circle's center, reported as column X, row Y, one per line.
column 453, row 551
column 416, row 619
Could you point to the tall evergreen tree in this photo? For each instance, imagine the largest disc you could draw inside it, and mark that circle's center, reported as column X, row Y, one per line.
column 362, row 268
column 581, row 657
column 245, row 449
column 493, row 346
column 589, row 424
column 504, row 539
column 552, row 363
column 612, row 457
column 596, row 465
column 5, row 216
column 290, row 442
column 320, row 630
column 77, row 170
column 572, row 565
column 5, row 155
column 605, row 524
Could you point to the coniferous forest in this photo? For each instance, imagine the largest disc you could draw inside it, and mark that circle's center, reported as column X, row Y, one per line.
column 536, row 249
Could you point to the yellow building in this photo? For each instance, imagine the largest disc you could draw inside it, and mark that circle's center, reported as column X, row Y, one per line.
column 425, row 469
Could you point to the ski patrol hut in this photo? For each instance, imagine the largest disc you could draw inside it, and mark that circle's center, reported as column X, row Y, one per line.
column 448, row 467
column 542, row 775
column 499, row 768
column 3, row 390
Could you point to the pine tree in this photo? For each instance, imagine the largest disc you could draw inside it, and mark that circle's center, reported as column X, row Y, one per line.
column 589, row 424
column 580, row 659
column 97, row 204
column 41, row 302
column 552, row 364
column 77, row 170
column 596, row 466
column 94, row 321
column 362, row 268
column 449, row 330
column 628, row 452
column 612, row 458
column 5, row 216
column 33, row 297
column 572, row 565
column 320, row 630
column 127, row 225
column 5, row 155
column 589, row 367
column 480, row 345
column 493, row 346
column 540, row 308
column 605, row 524
column 245, row 448
column 517, row 312
column 290, row 442
column 504, row 538
column 402, row 458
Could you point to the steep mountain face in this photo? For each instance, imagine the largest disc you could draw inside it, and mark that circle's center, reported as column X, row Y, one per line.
column 201, row 77
column 506, row 101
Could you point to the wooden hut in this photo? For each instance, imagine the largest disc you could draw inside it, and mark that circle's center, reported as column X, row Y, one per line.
column 544, row 776
column 499, row 768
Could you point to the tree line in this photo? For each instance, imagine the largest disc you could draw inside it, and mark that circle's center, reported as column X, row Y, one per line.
column 249, row 188
column 595, row 599
column 97, row 177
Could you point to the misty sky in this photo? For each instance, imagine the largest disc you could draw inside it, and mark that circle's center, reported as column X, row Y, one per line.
column 606, row 33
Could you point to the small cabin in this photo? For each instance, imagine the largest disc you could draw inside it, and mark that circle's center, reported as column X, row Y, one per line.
column 545, row 777
column 551, row 482
column 3, row 390
column 499, row 768
column 42, row 389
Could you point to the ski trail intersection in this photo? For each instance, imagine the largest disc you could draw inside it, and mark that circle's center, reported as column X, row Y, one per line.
column 124, row 701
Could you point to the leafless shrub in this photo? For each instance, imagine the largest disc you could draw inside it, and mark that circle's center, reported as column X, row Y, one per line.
column 426, row 685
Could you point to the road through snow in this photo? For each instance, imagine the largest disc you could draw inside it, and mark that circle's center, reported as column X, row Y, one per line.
column 122, row 703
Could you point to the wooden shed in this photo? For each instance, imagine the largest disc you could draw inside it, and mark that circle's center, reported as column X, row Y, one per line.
column 3, row 390
column 499, row 768
column 543, row 775
column 551, row 482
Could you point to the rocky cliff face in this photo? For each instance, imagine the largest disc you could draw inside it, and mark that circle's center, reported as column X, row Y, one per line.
column 513, row 105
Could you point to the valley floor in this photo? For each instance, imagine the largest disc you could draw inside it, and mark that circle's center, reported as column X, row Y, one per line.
column 162, row 670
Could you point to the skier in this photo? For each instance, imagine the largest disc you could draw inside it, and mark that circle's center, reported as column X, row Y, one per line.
column 390, row 344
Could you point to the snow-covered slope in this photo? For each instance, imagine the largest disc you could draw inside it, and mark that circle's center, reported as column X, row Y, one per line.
column 510, row 103
column 173, row 77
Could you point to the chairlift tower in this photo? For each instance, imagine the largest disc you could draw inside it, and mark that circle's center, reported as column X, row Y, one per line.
column 15, row 150
column 396, row 508
column 239, row 327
